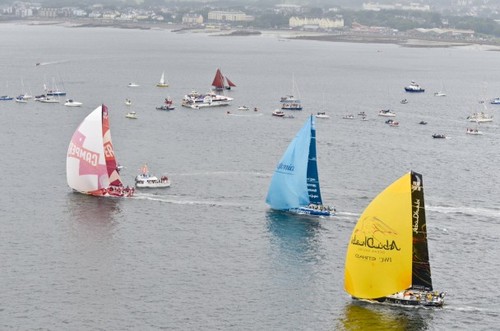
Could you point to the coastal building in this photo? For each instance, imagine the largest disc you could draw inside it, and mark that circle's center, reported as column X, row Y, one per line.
column 375, row 6
column 229, row 16
column 192, row 19
column 316, row 23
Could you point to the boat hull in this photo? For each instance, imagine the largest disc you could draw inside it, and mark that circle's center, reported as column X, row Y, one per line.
column 413, row 90
column 312, row 211
column 425, row 299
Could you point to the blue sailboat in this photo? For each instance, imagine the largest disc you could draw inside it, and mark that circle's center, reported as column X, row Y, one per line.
column 295, row 182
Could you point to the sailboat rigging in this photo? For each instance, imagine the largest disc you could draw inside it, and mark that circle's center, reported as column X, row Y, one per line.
column 162, row 82
column 387, row 257
column 295, row 183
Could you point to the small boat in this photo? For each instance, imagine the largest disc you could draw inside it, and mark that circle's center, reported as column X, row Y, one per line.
column 55, row 92
column 414, row 88
column 162, row 82
column 439, row 136
column 386, row 113
column 278, row 113
column 422, row 123
column 362, row 114
column 394, row 124
column 348, row 117
column 439, row 94
column 167, row 105
column 244, row 108
column 131, row 115
column 495, row 101
column 91, row 166
column 132, row 84
column 404, row 101
column 474, row 132
column 322, row 115
column 20, row 99
column 289, row 102
column 480, row 117
column 221, row 82
column 295, row 185
column 387, row 259
column 146, row 180
column 6, row 98
column 128, row 102
column 48, row 99
column 72, row 103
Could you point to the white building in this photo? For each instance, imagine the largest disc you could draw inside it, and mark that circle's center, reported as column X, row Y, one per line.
column 229, row 16
column 192, row 19
column 321, row 23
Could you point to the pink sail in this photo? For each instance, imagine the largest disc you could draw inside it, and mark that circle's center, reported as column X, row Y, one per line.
column 91, row 166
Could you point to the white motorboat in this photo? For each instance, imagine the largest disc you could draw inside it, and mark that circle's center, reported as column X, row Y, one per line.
column 72, row 103
column 146, row 180
column 480, row 117
column 132, row 84
column 386, row 113
column 322, row 115
column 132, row 115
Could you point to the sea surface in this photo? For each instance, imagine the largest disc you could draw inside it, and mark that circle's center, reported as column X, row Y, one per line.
column 207, row 253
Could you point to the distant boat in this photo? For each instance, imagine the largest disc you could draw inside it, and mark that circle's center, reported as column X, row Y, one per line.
column 295, row 183
column 128, row 102
column 221, row 82
column 167, row 105
column 414, row 88
column 474, row 132
column 439, row 94
column 387, row 258
column 495, row 101
column 72, row 103
column 132, row 84
column 480, row 117
column 162, row 82
column 20, row 99
column 278, row 113
column 348, row 117
column 322, row 115
column 290, row 102
column 422, row 123
column 6, row 98
column 243, row 108
column 131, row 115
column 91, row 166
column 386, row 113
column 439, row 136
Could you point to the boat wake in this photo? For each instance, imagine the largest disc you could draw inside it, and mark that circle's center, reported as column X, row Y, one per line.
column 52, row 62
column 245, row 115
column 176, row 200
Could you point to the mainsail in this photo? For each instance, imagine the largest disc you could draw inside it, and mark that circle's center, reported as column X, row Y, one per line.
column 295, row 180
column 91, row 167
column 218, row 81
column 387, row 252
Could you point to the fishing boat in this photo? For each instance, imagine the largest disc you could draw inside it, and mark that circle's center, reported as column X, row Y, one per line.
column 72, row 103
column 295, row 185
column 414, row 88
column 146, row 180
column 387, row 258
column 221, row 82
column 91, row 166
column 162, row 82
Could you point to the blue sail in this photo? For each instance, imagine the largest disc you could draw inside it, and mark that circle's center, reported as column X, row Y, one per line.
column 312, row 170
column 289, row 187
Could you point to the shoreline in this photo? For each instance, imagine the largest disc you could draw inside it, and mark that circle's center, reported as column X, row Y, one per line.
column 349, row 37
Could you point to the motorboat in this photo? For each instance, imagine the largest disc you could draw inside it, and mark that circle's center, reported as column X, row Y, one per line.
column 386, row 113
column 480, row 117
column 5, row 98
column 422, row 123
column 348, row 117
column 322, row 115
column 132, row 84
column 414, row 88
column 289, row 102
column 48, row 99
column 20, row 99
column 245, row 108
column 278, row 113
column 404, row 101
column 474, row 132
column 439, row 94
column 495, row 101
column 146, row 180
column 128, row 102
column 131, row 115
column 72, row 103
column 439, row 136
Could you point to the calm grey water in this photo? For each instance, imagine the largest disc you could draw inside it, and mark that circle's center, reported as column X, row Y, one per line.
column 207, row 253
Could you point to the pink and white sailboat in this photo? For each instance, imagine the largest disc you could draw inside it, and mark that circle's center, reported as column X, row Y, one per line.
column 91, row 166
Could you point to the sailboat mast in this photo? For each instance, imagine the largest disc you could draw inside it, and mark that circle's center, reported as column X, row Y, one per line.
column 421, row 269
column 312, row 169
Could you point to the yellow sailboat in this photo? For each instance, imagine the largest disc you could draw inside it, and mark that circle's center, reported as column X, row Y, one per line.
column 387, row 257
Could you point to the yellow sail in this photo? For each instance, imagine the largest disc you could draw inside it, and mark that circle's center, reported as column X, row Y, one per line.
column 379, row 255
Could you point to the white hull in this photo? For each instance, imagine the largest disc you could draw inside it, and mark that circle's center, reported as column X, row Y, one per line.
column 153, row 185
